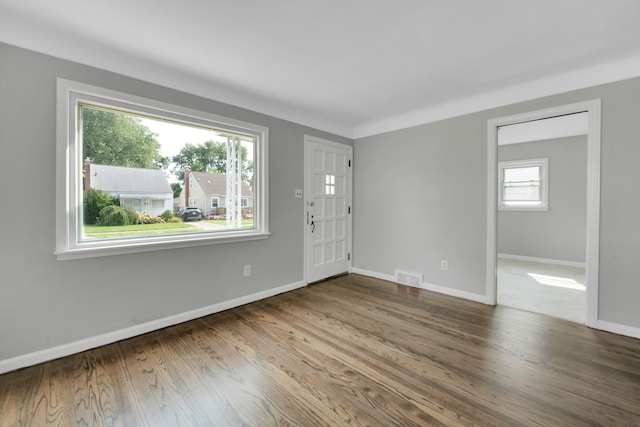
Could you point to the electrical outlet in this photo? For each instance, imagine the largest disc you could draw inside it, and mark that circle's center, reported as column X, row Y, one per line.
column 298, row 194
column 247, row 270
column 444, row 264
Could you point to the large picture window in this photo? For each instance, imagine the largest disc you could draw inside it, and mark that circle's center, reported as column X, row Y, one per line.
column 135, row 174
column 524, row 185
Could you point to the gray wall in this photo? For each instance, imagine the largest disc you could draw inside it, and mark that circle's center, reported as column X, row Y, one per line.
column 559, row 233
column 45, row 302
column 420, row 195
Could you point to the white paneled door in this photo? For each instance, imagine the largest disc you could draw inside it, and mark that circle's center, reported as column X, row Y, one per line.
column 328, row 208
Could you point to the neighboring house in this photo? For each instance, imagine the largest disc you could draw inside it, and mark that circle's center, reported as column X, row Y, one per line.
column 208, row 192
column 143, row 190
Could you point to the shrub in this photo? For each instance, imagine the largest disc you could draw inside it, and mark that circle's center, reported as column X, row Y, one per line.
column 117, row 215
column 166, row 215
column 133, row 216
column 94, row 201
column 174, row 219
column 146, row 218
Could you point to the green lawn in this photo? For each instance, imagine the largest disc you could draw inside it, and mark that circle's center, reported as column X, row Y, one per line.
column 103, row 231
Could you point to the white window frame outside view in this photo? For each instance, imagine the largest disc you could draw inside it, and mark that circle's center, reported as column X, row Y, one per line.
column 69, row 173
column 541, row 204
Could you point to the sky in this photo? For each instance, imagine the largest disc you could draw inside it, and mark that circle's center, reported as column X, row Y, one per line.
column 172, row 137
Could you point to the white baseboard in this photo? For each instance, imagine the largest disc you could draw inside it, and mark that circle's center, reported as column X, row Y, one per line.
column 455, row 293
column 543, row 260
column 34, row 358
column 143, row 328
column 428, row 286
column 615, row 328
column 387, row 277
column 619, row 329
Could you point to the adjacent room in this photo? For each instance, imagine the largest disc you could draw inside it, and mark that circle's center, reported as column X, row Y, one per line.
column 542, row 220
column 311, row 214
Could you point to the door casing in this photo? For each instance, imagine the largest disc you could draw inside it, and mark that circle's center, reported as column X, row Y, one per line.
column 593, row 108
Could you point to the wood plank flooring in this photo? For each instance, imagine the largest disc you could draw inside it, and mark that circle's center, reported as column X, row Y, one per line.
column 350, row 351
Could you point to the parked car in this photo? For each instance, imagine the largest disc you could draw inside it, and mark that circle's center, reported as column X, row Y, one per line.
column 189, row 213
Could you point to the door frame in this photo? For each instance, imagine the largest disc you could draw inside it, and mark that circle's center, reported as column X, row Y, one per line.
column 307, row 153
column 593, row 108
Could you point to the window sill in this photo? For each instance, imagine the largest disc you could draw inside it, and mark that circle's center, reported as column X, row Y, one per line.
column 120, row 247
column 523, row 208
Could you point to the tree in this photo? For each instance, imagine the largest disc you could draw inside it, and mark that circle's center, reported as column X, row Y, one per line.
column 210, row 157
column 94, row 201
column 119, row 139
column 177, row 189
column 247, row 173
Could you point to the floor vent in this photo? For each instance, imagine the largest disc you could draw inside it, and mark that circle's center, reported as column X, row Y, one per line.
column 409, row 279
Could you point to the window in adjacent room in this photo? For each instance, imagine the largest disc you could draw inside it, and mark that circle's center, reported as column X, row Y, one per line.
column 524, row 185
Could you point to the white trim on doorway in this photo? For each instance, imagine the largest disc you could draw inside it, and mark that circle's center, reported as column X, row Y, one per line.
column 593, row 108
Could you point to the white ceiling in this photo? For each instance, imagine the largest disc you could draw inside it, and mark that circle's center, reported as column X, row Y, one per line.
column 352, row 67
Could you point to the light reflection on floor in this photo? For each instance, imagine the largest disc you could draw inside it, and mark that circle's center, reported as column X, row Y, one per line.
column 554, row 290
column 562, row 282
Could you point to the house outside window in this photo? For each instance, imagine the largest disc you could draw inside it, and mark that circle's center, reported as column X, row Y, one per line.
column 244, row 202
column 524, row 185
column 90, row 115
column 215, row 202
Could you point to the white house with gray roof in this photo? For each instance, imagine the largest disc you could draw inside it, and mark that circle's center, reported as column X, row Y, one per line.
column 143, row 190
column 208, row 192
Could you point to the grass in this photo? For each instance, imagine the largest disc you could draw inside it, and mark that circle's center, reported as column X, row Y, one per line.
column 107, row 231
column 103, row 231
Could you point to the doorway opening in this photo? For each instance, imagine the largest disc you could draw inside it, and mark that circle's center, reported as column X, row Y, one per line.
column 520, row 188
column 542, row 179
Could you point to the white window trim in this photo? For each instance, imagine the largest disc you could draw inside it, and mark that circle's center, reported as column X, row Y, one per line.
column 216, row 198
column 69, row 182
column 543, row 163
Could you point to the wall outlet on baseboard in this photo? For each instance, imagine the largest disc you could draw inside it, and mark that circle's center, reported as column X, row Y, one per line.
column 247, row 271
column 444, row 264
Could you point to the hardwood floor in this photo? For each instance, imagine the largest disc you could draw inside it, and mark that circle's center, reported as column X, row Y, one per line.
column 351, row 351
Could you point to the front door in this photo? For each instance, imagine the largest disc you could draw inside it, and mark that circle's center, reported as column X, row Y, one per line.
column 328, row 208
